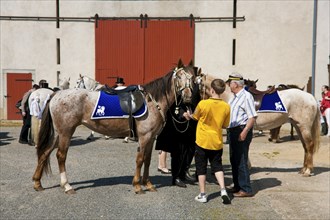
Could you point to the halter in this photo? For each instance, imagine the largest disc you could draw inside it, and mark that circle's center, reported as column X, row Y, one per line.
column 201, row 84
column 178, row 89
column 81, row 81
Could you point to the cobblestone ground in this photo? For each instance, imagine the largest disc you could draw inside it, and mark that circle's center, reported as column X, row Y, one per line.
column 101, row 172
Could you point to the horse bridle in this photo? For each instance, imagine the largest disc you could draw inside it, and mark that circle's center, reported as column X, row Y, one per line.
column 81, row 82
column 201, row 83
column 178, row 89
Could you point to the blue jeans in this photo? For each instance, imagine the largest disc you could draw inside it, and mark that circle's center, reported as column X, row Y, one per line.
column 239, row 151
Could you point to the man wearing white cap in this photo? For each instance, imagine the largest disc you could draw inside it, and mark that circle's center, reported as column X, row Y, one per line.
column 242, row 118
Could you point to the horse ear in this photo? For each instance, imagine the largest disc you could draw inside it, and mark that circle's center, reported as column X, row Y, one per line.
column 199, row 73
column 69, row 79
column 191, row 63
column 180, row 63
column 256, row 81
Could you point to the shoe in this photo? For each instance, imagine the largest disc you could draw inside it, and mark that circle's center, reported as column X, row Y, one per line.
column 242, row 194
column 164, row 170
column 232, row 189
column 23, row 142
column 225, row 198
column 200, row 198
column 179, row 183
column 31, row 143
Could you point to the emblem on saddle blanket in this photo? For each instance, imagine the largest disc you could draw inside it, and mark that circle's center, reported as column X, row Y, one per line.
column 119, row 106
column 272, row 103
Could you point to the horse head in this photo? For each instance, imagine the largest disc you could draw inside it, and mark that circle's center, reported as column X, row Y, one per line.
column 251, row 83
column 80, row 82
column 183, row 78
column 85, row 82
column 65, row 84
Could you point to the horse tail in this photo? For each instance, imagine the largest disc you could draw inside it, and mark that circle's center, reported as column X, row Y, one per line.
column 316, row 133
column 46, row 137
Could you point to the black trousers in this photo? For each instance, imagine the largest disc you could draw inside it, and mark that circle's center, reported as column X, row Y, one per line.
column 239, row 151
column 24, row 135
column 181, row 158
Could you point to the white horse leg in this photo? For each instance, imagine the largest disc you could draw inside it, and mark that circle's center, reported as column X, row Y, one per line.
column 61, row 154
column 65, row 184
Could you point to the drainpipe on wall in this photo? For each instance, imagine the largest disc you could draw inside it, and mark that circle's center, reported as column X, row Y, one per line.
column 314, row 46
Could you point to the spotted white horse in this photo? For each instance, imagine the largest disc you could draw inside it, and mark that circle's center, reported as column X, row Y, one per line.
column 85, row 82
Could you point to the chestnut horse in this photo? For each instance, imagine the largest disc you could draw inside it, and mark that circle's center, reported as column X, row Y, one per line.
column 69, row 108
column 303, row 113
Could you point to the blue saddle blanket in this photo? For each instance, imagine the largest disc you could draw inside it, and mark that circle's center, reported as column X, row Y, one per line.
column 107, row 106
column 272, row 103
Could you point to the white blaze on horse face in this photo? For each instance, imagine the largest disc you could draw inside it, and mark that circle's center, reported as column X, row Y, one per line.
column 183, row 84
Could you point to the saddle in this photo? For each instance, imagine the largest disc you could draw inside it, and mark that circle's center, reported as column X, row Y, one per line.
column 258, row 95
column 131, row 100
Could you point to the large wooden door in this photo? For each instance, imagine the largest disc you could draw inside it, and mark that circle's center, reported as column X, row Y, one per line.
column 17, row 85
column 141, row 53
column 165, row 43
column 119, row 51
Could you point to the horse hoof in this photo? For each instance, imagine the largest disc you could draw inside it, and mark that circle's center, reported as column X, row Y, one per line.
column 140, row 192
column 152, row 189
column 39, row 188
column 70, row 192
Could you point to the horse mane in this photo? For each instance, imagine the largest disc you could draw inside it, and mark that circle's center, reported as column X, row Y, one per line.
column 158, row 86
column 289, row 86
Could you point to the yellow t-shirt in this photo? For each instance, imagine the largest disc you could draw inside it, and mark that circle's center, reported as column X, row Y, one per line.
column 213, row 115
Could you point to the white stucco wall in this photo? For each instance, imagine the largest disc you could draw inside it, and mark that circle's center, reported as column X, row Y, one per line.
column 322, row 47
column 273, row 45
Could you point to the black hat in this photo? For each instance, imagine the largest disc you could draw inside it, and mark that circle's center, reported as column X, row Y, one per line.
column 120, row 80
column 44, row 85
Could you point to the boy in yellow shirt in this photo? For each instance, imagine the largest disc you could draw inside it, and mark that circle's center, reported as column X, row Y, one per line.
column 213, row 115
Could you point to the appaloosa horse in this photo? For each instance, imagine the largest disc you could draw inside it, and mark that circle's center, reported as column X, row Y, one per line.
column 70, row 108
column 302, row 112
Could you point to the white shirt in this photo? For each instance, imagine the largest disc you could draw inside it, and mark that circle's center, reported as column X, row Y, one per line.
column 241, row 108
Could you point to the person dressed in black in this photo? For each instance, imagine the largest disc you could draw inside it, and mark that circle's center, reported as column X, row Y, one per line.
column 24, row 137
column 25, row 111
column 178, row 137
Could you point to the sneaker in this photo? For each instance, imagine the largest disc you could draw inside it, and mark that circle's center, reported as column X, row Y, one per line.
column 200, row 198
column 225, row 198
